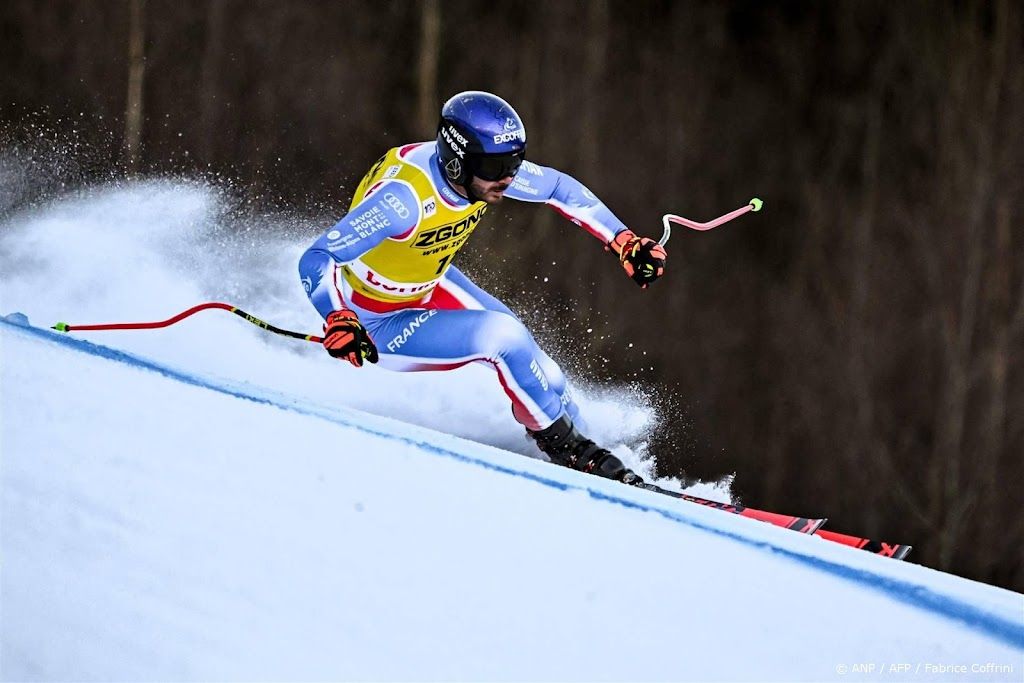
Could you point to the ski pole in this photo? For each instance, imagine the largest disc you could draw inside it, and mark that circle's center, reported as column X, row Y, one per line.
column 64, row 327
column 753, row 205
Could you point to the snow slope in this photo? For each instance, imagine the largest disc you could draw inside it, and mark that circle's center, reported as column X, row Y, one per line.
column 148, row 250
column 208, row 503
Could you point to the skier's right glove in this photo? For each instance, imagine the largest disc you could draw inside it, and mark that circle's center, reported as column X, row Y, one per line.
column 641, row 257
column 345, row 337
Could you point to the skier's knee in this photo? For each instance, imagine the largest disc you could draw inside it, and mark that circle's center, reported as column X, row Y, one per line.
column 552, row 371
column 506, row 335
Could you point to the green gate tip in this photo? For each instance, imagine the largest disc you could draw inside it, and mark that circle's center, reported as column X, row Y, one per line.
column 756, row 203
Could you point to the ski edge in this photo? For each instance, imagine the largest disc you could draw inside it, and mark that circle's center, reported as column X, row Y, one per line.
column 897, row 551
column 805, row 525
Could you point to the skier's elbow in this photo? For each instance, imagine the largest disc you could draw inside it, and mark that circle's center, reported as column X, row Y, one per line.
column 313, row 265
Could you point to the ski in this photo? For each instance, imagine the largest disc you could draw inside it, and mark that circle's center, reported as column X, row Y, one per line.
column 804, row 525
column 897, row 551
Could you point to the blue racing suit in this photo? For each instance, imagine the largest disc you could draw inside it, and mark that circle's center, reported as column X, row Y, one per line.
column 390, row 260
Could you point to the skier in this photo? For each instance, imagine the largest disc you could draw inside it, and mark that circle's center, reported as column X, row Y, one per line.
column 383, row 279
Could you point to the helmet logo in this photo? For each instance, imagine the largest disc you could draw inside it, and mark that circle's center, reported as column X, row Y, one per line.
column 454, row 169
column 455, row 140
column 509, row 137
column 510, row 124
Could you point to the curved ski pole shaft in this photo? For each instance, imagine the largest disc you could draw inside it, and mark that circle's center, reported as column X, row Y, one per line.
column 65, row 327
column 754, row 204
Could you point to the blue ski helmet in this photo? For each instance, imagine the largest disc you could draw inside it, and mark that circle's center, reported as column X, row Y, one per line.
column 479, row 135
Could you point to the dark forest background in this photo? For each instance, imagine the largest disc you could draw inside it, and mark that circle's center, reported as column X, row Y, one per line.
column 854, row 350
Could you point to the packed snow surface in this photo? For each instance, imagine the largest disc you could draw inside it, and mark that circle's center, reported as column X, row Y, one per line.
column 211, row 502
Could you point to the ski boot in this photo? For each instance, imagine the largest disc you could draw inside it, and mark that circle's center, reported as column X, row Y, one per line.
column 564, row 444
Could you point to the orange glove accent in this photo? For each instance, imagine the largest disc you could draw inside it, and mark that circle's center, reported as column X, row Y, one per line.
column 346, row 338
column 642, row 258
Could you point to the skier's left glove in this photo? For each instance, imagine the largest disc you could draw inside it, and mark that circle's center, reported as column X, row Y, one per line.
column 345, row 337
column 642, row 258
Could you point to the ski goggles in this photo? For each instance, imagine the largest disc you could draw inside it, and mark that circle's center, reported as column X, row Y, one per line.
column 497, row 166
